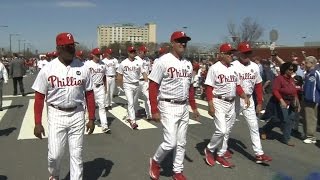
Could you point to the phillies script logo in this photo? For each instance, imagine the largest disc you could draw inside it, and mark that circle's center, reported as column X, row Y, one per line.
column 245, row 76
column 173, row 72
column 68, row 81
column 95, row 71
column 222, row 78
column 127, row 68
column 110, row 64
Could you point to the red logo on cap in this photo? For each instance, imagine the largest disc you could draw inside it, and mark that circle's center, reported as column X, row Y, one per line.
column 108, row 51
column 131, row 48
column 64, row 38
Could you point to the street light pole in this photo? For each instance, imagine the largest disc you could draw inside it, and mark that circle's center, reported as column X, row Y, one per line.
column 20, row 43
column 10, row 35
column 24, row 48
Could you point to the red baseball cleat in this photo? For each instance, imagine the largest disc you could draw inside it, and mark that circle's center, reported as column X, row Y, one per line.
column 154, row 169
column 132, row 124
column 221, row 160
column 227, row 155
column 209, row 157
column 178, row 176
column 263, row 158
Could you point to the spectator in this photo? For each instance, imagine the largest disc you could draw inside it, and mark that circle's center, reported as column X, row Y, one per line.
column 17, row 71
column 311, row 99
column 285, row 104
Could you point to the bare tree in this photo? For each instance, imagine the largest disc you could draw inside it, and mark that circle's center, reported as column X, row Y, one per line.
column 249, row 31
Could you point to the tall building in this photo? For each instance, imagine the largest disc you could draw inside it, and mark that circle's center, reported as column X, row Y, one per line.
column 108, row 34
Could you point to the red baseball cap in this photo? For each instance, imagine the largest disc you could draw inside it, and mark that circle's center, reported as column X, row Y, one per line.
column 64, row 39
column 244, row 47
column 226, row 47
column 108, row 51
column 162, row 50
column 54, row 54
column 143, row 49
column 48, row 54
column 131, row 48
column 179, row 35
column 96, row 51
column 79, row 53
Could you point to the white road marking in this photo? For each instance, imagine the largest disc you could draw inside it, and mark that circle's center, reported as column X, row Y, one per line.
column 12, row 96
column 119, row 112
column 5, row 105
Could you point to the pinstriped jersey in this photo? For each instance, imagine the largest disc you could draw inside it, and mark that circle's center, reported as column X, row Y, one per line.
column 223, row 79
column 111, row 66
column 97, row 70
column 174, row 77
column 249, row 75
column 64, row 86
column 131, row 70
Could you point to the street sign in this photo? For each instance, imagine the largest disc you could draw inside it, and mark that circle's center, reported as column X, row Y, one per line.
column 273, row 35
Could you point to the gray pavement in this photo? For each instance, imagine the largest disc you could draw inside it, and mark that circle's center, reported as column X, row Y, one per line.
column 124, row 154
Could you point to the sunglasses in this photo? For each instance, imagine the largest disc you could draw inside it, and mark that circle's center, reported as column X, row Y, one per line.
column 291, row 69
column 181, row 41
column 132, row 51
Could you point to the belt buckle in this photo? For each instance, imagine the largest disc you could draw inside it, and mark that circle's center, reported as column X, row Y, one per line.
column 172, row 101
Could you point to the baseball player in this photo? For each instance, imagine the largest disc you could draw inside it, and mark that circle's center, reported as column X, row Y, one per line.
column 170, row 89
column 79, row 55
column 143, row 86
column 161, row 52
column 98, row 74
column 250, row 81
column 3, row 79
column 111, row 66
column 222, row 86
column 128, row 77
column 65, row 83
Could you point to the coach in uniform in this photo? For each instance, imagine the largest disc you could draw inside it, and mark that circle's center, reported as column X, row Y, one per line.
column 65, row 83
column 172, row 77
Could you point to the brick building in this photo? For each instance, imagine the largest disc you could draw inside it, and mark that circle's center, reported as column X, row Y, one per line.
column 286, row 52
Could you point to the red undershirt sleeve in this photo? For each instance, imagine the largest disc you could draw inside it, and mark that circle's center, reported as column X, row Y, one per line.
column 153, row 95
column 239, row 90
column 91, row 105
column 38, row 107
column 209, row 94
column 258, row 91
column 192, row 100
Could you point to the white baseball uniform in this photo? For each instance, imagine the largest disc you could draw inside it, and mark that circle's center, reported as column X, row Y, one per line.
column 98, row 71
column 174, row 77
column 64, row 87
column 249, row 76
column 143, row 87
column 224, row 81
column 111, row 66
column 131, row 71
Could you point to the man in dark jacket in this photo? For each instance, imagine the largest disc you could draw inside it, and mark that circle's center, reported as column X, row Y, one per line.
column 17, row 71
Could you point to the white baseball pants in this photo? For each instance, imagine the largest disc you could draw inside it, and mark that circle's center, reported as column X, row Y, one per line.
column 65, row 126
column 224, row 113
column 99, row 97
column 143, row 90
column 175, row 119
column 251, row 118
column 111, row 83
column 130, row 90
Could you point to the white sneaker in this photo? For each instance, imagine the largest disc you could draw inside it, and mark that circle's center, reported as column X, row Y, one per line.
column 310, row 141
column 106, row 129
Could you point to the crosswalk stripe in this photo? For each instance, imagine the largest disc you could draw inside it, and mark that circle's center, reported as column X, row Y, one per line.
column 26, row 130
column 202, row 102
column 5, row 105
column 141, row 104
column 12, row 96
column 119, row 112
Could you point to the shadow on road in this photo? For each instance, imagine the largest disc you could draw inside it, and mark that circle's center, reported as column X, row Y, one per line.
column 12, row 106
column 6, row 132
column 93, row 170
column 318, row 143
column 2, row 177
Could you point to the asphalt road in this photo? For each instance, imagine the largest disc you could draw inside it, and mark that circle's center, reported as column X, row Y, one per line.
column 125, row 153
